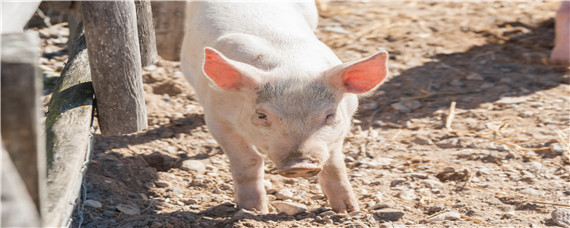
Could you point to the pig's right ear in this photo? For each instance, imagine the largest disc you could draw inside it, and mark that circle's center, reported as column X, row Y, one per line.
column 228, row 74
column 362, row 76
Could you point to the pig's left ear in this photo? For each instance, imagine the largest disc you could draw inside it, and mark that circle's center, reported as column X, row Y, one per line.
column 228, row 74
column 364, row 75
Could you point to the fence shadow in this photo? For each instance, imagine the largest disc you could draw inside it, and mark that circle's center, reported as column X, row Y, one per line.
column 511, row 67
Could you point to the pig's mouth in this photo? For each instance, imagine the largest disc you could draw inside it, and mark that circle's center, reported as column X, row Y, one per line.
column 300, row 168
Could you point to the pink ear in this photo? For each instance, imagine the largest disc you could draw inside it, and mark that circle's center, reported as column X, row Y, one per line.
column 222, row 72
column 366, row 74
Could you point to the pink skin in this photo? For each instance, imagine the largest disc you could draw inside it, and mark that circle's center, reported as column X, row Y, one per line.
column 561, row 52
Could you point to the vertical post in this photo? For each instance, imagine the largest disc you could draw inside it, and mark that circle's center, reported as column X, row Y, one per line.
column 114, row 59
column 145, row 26
column 169, row 18
column 22, row 131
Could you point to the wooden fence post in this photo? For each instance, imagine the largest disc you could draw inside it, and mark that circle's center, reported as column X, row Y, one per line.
column 21, row 211
column 169, row 18
column 22, row 131
column 68, row 127
column 114, row 58
column 145, row 26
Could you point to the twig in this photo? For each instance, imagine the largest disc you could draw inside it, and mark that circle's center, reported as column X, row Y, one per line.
column 474, row 220
column 450, row 116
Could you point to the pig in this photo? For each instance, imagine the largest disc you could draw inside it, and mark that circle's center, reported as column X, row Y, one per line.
column 269, row 86
column 561, row 52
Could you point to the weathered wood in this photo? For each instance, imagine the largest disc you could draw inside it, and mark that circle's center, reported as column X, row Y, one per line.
column 18, row 209
column 68, row 126
column 169, row 17
column 112, row 41
column 145, row 26
column 21, row 109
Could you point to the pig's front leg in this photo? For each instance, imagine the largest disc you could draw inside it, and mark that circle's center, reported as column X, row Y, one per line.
column 246, row 166
column 334, row 183
column 561, row 52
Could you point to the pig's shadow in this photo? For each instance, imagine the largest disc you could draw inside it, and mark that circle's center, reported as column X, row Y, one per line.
column 483, row 74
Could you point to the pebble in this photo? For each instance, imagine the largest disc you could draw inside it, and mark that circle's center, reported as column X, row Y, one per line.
column 533, row 167
column 561, row 217
column 284, row 194
column 400, row 107
column 397, row 181
column 242, row 213
column 474, row 76
column 193, row 166
column 380, row 206
column 128, row 209
column 407, row 195
column 531, row 191
column 556, row 148
column 162, row 184
column 327, row 213
column 450, row 215
column 486, row 85
column 389, row 214
column 336, row 29
column 289, row 208
column 93, row 203
column 432, row 184
column 417, row 175
column 457, row 83
column 357, row 214
column 422, row 140
column 511, row 100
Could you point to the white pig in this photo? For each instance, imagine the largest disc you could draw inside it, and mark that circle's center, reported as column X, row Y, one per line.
column 269, row 86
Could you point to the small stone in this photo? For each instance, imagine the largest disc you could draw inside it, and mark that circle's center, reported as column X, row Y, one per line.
column 556, row 148
column 380, row 206
column 397, row 181
column 289, row 208
column 93, row 203
column 336, row 29
column 269, row 187
column 432, row 184
column 368, row 106
column 407, row 195
column 486, row 85
column 284, row 194
column 390, row 214
column 243, row 213
column 162, row 184
column 561, row 217
column 509, row 214
column 193, row 166
column 412, row 104
column 128, row 209
column 457, row 83
column 533, row 167
column 531, row 191
column 357, row 214
column 327, row 213
column 422, row 140
column 417, row 175
column 450, row 215
column 511, row 100
column 400, row 107
column 474, row 76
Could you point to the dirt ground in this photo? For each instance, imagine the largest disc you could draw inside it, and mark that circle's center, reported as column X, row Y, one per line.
column 501, row 159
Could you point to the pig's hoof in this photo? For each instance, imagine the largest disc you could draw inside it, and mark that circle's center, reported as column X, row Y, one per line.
column 300, row 169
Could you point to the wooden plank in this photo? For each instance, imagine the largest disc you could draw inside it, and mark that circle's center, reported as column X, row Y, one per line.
column 21, row 109
column 145, row 26
column 68, row 127
column 169, row 17
column 112, row 40
column 18, row 209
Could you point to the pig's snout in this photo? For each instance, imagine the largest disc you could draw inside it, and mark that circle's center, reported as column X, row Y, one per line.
column 300, row 168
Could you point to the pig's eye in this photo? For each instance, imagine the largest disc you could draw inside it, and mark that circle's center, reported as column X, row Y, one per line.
column 261, row 116
column 330, row 118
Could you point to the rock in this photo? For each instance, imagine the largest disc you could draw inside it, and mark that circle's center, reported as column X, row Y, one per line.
column 193, row 166
column 533, row 167
column 357, row 214
column 511, row 100
column 327, row 213
column 432, row 184
column 556, row 148
column 486, row 85
column 284, row 194
column 93, row 203
column 561, row 217
column 422, row 140
column 509, row 214
column 162, row 184
column 390, row 214
column 417, row 175
column 336, row 29
column 450, row 215
column 128, row 209
column 400, row 107
column 289, row 208
column 368, row 106
column 380, row 206
column 474, row 76
column 407, row 195
column 397, row 181
column 531, row 191
column 243, row 213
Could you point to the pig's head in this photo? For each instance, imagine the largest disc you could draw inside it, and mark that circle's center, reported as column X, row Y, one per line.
column 300, row 118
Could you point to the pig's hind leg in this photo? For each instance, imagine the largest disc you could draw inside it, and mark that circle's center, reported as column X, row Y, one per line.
column 561, row 52
column 336, row 186
column 246, row 166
